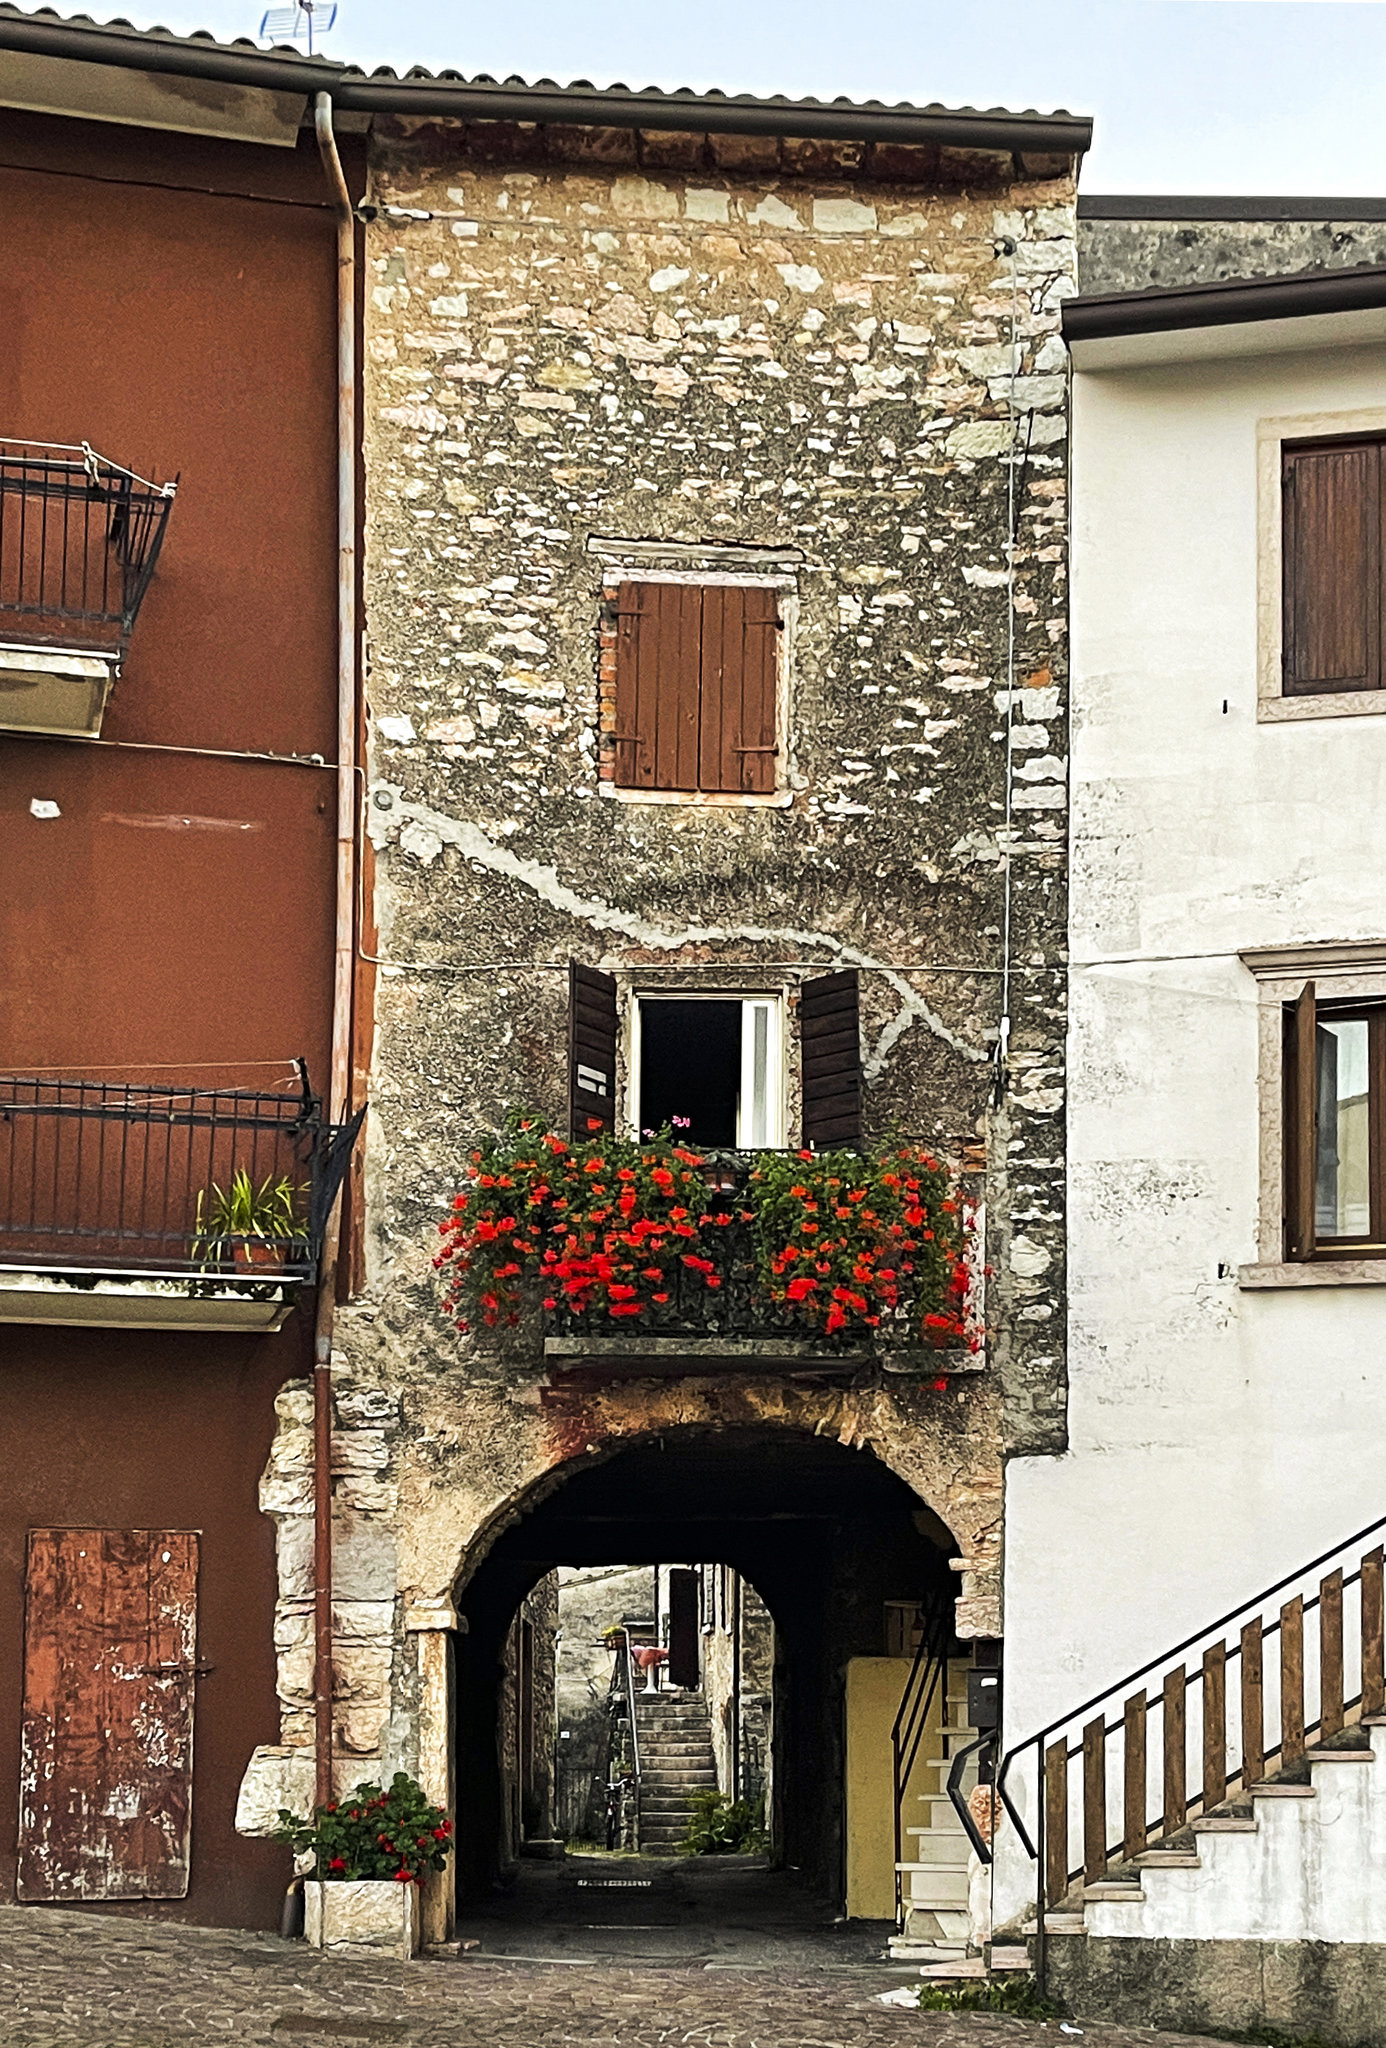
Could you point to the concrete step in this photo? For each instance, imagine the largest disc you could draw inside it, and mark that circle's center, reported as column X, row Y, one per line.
column 932, row 1846
column 944, row 1891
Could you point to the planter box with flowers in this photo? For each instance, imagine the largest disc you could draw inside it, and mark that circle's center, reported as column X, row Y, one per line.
column 631, row 1244
column 371, row 1851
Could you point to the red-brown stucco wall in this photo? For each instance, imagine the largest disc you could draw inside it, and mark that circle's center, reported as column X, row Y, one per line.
column 172, row 301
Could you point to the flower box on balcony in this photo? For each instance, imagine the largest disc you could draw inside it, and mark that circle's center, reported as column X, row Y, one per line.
column 656, row 1256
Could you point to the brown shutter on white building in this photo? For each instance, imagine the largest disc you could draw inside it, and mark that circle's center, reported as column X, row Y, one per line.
column 591, row 1051
column 110, row 1648
column 1301, row 1126
column 830, row 1044
column 1333, row 596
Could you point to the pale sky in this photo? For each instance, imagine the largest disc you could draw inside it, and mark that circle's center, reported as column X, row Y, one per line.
column 1195, row 96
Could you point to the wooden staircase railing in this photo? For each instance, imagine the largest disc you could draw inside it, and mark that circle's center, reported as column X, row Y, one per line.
column 1302, row 1666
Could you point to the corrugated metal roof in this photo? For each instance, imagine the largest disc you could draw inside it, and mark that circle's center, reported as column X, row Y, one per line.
column 451, row 93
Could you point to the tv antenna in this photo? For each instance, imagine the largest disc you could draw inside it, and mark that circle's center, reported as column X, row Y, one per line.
column 294, row 24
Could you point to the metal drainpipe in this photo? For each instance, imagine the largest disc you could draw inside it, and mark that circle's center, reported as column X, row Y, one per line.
column 340, row 1083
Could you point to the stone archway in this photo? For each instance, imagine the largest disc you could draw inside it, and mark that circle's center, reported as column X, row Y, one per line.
column 827, row 1533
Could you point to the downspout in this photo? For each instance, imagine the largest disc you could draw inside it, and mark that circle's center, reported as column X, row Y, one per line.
column 343, row 972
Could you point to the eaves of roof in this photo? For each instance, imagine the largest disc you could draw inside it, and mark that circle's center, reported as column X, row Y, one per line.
column 450, row 94
column 1229, row 302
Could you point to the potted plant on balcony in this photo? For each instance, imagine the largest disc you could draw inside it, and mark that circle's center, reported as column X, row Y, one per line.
column 250, row 1228
column 371, row 1851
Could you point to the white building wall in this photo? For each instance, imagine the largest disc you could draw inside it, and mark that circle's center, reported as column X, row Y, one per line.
column 1219, row 1437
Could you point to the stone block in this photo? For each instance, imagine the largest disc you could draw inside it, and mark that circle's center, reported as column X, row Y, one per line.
column 818, row 156
column 672, row 149
column 975, row 166
column 745, row 152
column 363, row 1559
column 366, row 1407
column 276, row 1776
column 641, row 199
column 590, row 145
column 362, row 1918
column 910, row 163
column 844, row 217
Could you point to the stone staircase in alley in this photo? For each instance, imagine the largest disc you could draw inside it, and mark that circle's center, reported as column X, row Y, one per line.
column 935, row 1871
column 676, row 1760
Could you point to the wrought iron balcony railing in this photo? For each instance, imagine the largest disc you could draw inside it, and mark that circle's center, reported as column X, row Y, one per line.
column 219, row 1186
column 79, row 538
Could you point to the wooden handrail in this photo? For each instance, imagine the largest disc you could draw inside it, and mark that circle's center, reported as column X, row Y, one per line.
column 1123, row 1712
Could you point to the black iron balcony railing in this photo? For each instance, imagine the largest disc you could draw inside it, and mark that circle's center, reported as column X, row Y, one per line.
column 223, row 1186
column 79, row 538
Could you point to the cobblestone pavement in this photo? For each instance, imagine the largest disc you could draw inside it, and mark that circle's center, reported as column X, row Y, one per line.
column 80, row 1980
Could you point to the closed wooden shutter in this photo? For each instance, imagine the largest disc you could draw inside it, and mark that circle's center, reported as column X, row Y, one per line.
column 657, row 653
column 697, row 687
column 110, row 1639
column 830, row 1043
column 740, row 667
column 1332, row 525
column 1300, row 1135
column 591, row 1051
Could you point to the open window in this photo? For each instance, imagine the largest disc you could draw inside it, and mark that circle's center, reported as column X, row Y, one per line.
column 712, row 1067
column 697, row 688
column 1335, row 1125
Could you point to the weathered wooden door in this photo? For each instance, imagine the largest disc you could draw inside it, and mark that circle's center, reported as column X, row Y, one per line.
column 110, row 1645
column 684, row 1661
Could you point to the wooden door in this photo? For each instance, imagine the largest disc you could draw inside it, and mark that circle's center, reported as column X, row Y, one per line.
column 110, row 1644
column 684, row 1661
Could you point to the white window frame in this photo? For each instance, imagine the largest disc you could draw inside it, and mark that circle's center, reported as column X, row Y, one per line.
column 760, row 1010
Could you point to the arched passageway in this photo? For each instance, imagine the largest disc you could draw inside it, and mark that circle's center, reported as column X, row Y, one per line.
column 829, row 1537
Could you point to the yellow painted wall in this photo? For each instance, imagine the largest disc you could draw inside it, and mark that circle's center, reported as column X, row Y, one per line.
column 874, row 1689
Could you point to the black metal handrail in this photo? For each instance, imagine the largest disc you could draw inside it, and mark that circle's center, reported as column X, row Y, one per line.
column 113, row 1178
column 79, row 539
column 912, row 1720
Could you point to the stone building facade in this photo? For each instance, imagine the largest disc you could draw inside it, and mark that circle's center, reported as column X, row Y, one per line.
column 828, row 370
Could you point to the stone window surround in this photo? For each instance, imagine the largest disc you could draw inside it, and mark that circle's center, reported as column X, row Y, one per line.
column 1350, row 969
column 681, row 562
column 1273, row 707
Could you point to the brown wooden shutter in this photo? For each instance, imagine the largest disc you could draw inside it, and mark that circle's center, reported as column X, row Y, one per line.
column 1332, row 529
column 110, row 1636
column 591, row 1051
column 830, row 1042
column 684, row 1661
column 740, row 669
column 1301, row 1127
column 658, row 634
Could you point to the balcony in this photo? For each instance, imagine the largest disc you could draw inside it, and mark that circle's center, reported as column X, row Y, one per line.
column 138, row 1207
column 640, row 1260
column 79, row 540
